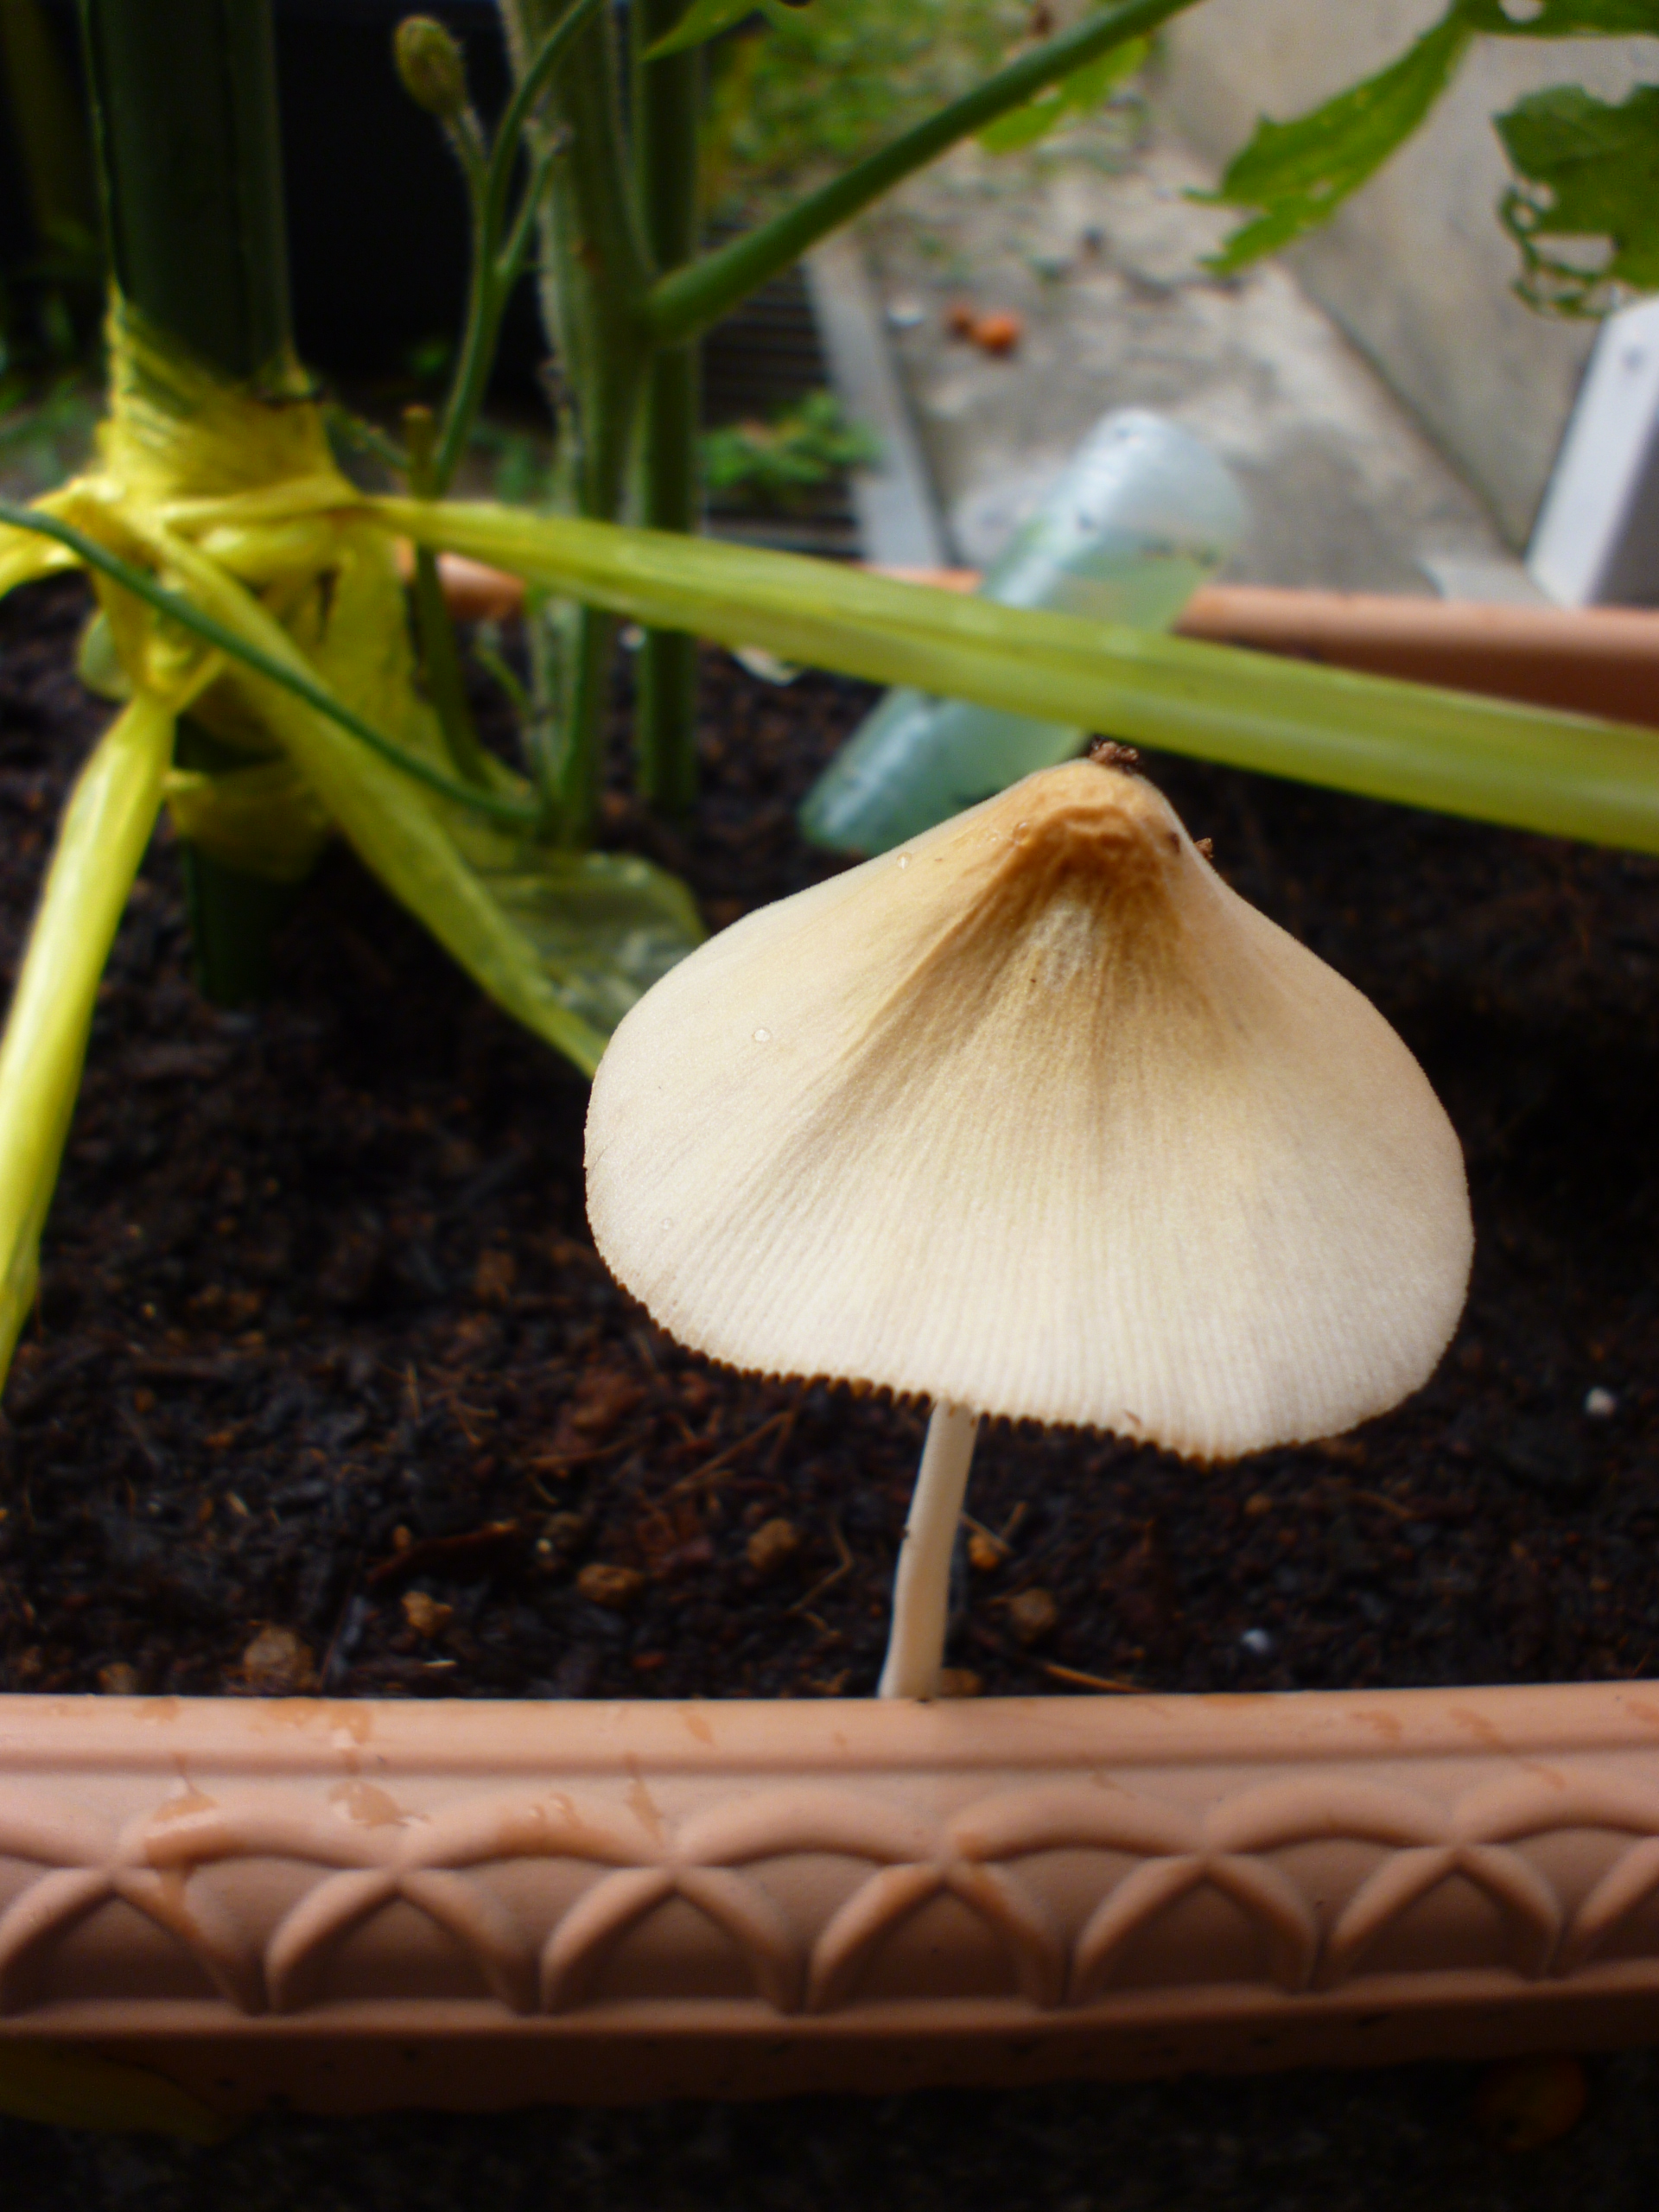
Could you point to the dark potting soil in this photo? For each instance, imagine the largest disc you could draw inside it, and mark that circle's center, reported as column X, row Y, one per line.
column 1406, row 2139
column 326, row 1387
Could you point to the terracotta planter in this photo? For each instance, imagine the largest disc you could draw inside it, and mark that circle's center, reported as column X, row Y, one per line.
column 1592, row 660
column 1589, row 661
column 356, row 1905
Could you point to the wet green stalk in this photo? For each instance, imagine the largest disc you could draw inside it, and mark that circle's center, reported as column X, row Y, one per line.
column 185, row 130
column 626, row 294
column 594, row 278
column 689, row 300
column 440, row 662
column 667, row 103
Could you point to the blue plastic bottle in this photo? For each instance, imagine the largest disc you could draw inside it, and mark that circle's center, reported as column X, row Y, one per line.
column 1143, row 513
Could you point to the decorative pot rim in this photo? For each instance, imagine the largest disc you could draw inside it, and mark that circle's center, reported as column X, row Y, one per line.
column 358, row 1904
column 362, row 1904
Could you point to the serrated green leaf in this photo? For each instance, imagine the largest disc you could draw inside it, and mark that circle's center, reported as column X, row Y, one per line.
column 1589, row 171
column 1085, row 88
column 1298, row 174
column 706, row 19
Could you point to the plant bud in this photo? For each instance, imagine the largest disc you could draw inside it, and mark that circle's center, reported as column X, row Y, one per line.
column 429, row 64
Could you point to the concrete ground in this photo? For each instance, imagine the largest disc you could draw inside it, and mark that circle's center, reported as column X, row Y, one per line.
column 1092, row 241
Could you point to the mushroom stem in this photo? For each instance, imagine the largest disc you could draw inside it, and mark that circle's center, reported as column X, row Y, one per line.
column 921, row 1588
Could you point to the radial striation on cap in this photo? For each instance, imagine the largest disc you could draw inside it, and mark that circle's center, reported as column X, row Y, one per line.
column 1039, row 1117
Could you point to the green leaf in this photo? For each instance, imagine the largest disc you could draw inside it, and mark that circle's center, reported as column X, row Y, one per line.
column 1565, row 18
column 1589, row 171
column 263, row 820
column 1298, row 174
column 782, row 463
column 1566, row 775
column 63, row 2086
column 287, row 669
column 565, row 943
column 1084, row 89
column 24, row 555
column 607, row 925
column 105, row 828
column 706, row 19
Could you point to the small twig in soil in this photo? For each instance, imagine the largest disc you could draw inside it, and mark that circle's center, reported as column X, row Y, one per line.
column 642, row 1344
column 989, row 1535
column 1388, row 1504
column 457, row 1408
column 558, row 1463
column 224, row 1367
column 340, row 1619
column 844, row 1550
column 141, row 1437
column 722, row 1460
column 828, row 1582
column 781, row 1440
column 441, row 1551
column 1089, row 1682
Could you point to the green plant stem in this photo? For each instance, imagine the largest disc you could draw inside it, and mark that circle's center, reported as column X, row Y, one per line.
column 440, row 662
column 499, row 246
column 665, row 729
column 596, row 271
column 687, row 300
column 495, row 271
column 216, row 633
column 185, row 130
column 46, row 126
column 667, row 107
column 234, row 915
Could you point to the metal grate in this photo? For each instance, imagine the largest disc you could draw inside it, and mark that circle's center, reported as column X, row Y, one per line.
column 763, row 357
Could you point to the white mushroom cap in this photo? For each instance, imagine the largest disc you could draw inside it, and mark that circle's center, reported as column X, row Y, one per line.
column 1038, row 1116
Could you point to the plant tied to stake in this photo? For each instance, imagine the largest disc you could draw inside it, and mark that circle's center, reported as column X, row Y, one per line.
column 1035, row 1118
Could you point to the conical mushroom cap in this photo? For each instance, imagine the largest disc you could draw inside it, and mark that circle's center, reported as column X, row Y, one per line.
column 1039, row 1117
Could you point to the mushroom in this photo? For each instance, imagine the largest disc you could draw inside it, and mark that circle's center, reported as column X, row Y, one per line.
column 1034, row 1118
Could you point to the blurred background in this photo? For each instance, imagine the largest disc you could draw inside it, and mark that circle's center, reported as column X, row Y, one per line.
column 1390, row 408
